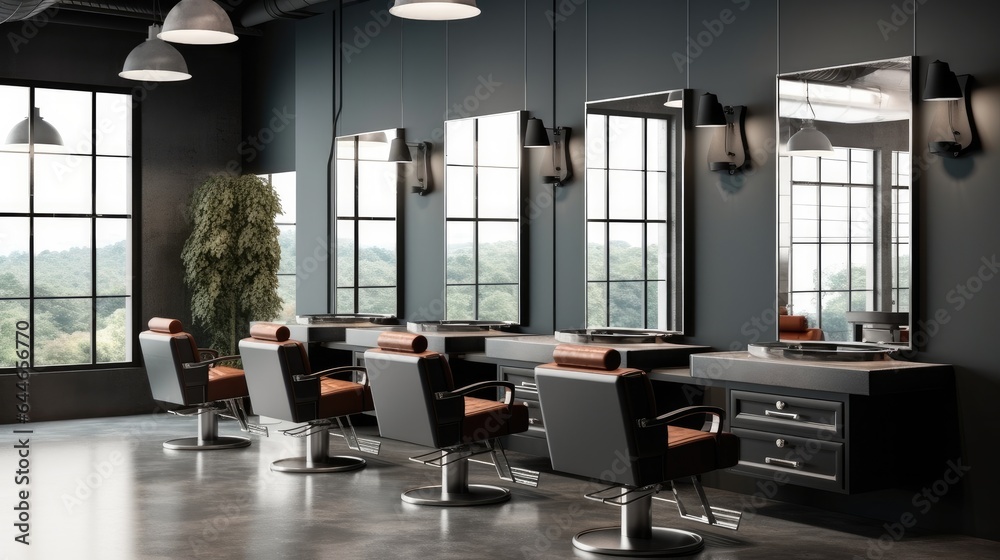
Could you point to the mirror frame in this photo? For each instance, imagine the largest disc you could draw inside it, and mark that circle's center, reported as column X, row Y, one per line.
column 386, row 135
column 681, row 271
column 783, row 126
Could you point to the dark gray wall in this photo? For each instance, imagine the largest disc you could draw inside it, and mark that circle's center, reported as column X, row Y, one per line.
column 189, row 130
column 608, row 48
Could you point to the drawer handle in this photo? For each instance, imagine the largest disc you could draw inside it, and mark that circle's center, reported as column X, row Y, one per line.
column 528, row 387
column 534, row 421
column 786, row 415
column 526, row 404
column 783, row 462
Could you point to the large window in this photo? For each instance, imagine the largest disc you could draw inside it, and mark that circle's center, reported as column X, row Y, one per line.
column 483, row 218
column 900, row 241
column 284, row 185
column 632, row 222
column 832, row 238
column 66, row 228
column 366, row 270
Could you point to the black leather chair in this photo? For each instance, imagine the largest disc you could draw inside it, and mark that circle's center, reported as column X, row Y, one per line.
column 416, row 402
column 283, row 386
column 181, row 373
column 601, row 423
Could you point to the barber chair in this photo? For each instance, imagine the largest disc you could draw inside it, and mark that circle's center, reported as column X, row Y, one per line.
column 416, row 402
column 601, row 423
column 282, row 386
column 181, row 373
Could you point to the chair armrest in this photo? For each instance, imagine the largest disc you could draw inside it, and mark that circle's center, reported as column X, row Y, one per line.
column 208, row 363
column 507, row 398
column 675, row 415
column 208, row 353
column 331, row 371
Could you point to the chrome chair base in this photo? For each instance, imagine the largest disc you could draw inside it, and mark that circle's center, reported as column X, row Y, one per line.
column 663, row 542
column 336, row 463
column 474, row 495
column 198, row 444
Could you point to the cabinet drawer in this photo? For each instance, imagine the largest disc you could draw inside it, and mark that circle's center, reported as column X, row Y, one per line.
column 784, row 414
column 803, row 461
column 525, row 392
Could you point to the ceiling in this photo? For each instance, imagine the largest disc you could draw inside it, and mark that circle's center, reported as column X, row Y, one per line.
column 136, row 15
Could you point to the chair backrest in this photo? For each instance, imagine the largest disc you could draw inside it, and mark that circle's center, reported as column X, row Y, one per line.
column 404, row 378
column 796, row 327
column 165, row 347
column 270, row 361
column 590, row 407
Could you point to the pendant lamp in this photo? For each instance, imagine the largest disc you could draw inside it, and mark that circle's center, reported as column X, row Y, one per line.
column 198, row 22
column 435, row 10
column 45, row 136
column 155, row 60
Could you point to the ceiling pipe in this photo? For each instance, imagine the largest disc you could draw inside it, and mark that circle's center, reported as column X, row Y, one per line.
column 264, row 11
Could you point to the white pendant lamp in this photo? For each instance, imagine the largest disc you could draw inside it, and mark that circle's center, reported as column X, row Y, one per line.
column 198, row 22
column 46, row 137
column 437, row 10
column 154, row 60
column 809, row 141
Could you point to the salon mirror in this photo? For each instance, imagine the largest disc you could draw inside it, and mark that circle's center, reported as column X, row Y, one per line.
column 845, row 218
column 366, row 268
column 635, row 211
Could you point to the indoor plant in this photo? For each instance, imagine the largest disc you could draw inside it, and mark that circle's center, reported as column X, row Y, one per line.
column 231, row 258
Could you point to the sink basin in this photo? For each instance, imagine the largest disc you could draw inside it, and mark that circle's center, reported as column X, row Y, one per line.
column 457, row 326
column 611, row 336
column 821, row 351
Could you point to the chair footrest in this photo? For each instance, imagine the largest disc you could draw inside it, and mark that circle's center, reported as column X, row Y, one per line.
column 725, row 518
column 196, row 410
column 257, row 430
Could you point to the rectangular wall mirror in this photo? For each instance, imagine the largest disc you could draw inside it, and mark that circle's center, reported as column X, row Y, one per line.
column 845, row 218
column 367, row 202
column 635, row 211
column 483, row 225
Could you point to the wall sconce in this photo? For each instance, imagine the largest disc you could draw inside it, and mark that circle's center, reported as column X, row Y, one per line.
column 960, row 135
column 733, row 155
column 399, row 152
column 45, row 136
column 536, row 136
column 436, row 10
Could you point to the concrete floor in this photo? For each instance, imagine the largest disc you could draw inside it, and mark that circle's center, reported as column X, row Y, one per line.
column 106, row 489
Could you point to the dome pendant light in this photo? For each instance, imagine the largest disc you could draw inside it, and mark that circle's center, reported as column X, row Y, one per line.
column 436, row 10
column 809, row 141
column 42, row 134
column 198, row 22
column 154, row 60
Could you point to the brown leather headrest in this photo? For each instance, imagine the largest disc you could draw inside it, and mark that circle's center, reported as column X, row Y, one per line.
column 595, row 357
column 793, row 323
column 165, row 325
column 269, row 331
column 402, row 341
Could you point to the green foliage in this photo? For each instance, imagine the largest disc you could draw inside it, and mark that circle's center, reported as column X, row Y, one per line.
column 231, row 258
column 62, row 327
